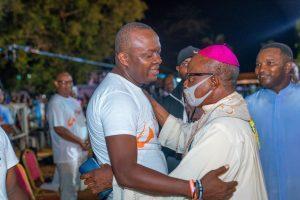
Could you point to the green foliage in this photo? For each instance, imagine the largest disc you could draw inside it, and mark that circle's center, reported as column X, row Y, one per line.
column 83, row 28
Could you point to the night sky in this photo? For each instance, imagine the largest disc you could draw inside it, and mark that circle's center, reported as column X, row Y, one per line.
column 245, row 24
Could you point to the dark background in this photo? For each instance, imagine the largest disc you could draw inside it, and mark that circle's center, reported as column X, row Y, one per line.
column 246, row 25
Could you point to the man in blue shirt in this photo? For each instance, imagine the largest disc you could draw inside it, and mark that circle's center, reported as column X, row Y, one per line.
column 6, row 120
column 276, row 111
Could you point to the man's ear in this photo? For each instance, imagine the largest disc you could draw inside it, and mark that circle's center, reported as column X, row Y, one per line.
column 177, row 68
column 288, row 67
column 123, row 58
column 215, row 82
column 55, row 84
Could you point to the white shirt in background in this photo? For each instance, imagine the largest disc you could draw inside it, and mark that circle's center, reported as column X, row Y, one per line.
column 66, row 112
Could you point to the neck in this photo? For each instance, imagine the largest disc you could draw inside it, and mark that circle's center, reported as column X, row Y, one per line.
column 118, row 70
column 281, row 86
column 64, row 95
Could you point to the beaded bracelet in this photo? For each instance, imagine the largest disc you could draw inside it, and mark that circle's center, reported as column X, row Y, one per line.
column 192, row 187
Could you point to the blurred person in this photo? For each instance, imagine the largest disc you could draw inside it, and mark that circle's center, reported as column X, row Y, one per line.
column 169, row 84
column 123, row 129
column 295, row 73
column 69, row 135
column 175, row 103
column 6, row 120
column 275, row 110
column 9, row 187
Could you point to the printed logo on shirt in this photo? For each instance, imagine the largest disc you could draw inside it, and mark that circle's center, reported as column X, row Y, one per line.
column 144, row 137
column 71, row 122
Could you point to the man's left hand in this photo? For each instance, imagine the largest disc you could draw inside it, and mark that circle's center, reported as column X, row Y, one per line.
column 99, row 180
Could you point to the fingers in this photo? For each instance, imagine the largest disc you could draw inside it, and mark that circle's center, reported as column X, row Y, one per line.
column 230, row 193
column 85, row 176
column 231, row 184
column 221, row 170
column 89, row 181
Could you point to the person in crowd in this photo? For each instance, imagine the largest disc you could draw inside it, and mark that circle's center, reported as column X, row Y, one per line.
column 123, row 129
column 175, row 103
column 9, row 187
column 69, row 135
column 169, row 84
column 276, row 112
column 6, row 120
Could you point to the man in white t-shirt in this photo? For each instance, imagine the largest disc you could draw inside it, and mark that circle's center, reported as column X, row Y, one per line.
column 69, row 136
column 9, row 188
column 123, row 128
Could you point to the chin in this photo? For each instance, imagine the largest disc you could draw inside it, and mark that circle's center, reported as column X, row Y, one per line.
column 151, row 79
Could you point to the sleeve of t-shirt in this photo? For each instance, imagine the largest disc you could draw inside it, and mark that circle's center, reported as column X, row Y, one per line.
column 57, row 114
column 119, row 114
column 8, row 117
column 11, row 158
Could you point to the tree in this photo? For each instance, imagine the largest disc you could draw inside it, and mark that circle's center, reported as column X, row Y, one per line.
column 83, row 28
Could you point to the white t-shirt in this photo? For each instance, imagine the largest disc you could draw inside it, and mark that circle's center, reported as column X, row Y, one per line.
column 8, row 159
column 66, row 112
column 120, row 107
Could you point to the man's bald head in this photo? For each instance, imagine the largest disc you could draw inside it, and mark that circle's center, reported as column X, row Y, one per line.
column 122, row 41
column 61, row 74
column 63, row 84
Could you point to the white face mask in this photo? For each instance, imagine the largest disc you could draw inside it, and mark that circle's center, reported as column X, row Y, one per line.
column 190, row 94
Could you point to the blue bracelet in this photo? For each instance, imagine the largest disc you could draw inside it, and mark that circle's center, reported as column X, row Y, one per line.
column 200, row 189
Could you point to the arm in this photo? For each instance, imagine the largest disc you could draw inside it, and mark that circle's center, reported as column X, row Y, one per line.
column 213, row 150
column 14, row 192
column 100, row 179
column 67, row 135
column 132, row 175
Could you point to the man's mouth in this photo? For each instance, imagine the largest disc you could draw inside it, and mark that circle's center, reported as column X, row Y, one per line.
column 154, row 71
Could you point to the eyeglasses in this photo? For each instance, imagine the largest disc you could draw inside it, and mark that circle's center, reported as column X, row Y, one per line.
column 198, row 74
column 65, row 82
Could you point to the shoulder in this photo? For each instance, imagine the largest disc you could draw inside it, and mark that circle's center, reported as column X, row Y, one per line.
column 3, row 138
column 254, row 96
column 55, row 98
column 228, row 127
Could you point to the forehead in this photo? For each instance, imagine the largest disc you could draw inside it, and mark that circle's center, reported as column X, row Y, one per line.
column 269, row 53
column 198, row 64
column 186, row 60
column 144, row 39
column 64, row 77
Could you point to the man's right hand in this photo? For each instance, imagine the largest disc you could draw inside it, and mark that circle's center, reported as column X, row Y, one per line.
column 216, row 189
column 85, row 145
column 98, row 180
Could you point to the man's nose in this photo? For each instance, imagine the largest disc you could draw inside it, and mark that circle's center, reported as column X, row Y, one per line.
column 158, row 59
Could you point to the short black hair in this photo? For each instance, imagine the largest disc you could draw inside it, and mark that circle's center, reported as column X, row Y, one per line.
column 122, row 37
column 285, row 49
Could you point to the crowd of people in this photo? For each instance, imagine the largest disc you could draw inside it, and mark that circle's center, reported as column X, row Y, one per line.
column 163, row 139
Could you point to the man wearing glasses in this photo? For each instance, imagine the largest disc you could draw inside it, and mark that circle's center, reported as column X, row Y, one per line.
column 175, row 103
column 69, row 135
column 224, row 134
